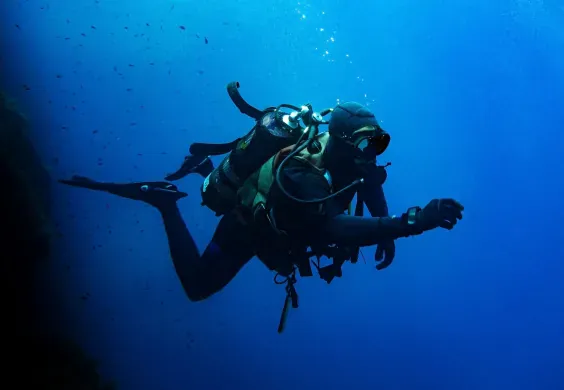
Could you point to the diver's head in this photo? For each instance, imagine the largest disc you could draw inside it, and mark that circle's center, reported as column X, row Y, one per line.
column 356, row 138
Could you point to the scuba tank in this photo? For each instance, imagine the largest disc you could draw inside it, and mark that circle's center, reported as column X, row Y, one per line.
column 274, row 130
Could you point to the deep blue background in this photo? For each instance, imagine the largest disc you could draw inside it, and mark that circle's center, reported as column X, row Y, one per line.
column 471, row 92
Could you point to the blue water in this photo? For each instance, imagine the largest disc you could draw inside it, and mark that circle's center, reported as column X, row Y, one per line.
column 471, row 93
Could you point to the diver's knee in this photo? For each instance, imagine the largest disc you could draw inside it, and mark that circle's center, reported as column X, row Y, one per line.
column 199, row 286
column 194, row 297
column 196, row 293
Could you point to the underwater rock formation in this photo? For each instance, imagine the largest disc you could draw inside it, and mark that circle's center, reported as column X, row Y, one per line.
column 25, row 190
column 32, row 357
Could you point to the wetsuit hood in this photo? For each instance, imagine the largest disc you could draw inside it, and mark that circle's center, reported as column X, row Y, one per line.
column 356, row 140
column 348, row 117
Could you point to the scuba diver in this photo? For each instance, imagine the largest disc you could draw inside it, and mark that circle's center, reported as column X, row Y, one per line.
column 283, row 192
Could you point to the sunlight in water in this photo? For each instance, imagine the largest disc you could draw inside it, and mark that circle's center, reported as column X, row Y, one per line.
column 327, row 39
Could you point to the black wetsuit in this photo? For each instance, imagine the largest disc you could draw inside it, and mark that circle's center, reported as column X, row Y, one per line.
column 234, row 244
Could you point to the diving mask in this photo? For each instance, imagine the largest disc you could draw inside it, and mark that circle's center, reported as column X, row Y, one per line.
column 371, row 141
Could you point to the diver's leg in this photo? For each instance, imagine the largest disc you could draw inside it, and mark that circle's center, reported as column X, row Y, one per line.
column 155, row 193
column 201, row 165
column 229, row 250
column 201, row 276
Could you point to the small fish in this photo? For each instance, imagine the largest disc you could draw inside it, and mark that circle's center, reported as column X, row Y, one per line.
column 205, row 40
column 182, row 27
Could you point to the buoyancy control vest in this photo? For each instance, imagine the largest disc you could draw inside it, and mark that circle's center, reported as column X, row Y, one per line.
column 279, row 253
column 255, row 190
column 244, row 179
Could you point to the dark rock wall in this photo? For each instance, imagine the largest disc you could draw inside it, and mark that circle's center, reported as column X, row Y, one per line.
column 33, row 357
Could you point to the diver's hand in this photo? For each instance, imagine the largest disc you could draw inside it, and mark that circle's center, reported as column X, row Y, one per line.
column 444, row 213
column 385, row 251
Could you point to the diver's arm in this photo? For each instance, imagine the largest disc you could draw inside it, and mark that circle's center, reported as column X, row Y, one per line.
column 335, row 227
column 327, row 223
column 375, row 200
column 357, row 231
column 373, row 193
column 349, row 230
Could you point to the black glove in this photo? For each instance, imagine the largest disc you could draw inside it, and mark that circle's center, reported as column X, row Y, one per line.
column 385, row 251
column 443, row 213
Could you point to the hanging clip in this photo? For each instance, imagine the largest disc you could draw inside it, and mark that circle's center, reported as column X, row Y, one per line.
column 291, row 299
